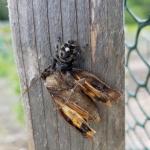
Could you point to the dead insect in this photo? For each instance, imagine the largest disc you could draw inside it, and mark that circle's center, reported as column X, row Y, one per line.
column 75, row 91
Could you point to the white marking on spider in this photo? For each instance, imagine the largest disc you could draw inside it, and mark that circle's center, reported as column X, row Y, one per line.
column 67, row 49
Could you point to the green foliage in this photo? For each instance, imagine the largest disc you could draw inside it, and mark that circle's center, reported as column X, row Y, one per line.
column 3, row 10
column 8, row 68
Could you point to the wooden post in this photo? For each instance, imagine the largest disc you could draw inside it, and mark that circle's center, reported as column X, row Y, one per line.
column 36, row 25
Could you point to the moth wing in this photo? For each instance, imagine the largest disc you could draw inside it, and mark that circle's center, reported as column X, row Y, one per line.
column 74, row 118
column 96, row 89
column 77, row 100
column 86, row 114
column 82, row 112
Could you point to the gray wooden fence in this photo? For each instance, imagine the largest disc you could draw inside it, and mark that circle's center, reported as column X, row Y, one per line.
column 36, row 25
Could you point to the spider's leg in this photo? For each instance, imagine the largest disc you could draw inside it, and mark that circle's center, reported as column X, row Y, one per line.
column 54, row 63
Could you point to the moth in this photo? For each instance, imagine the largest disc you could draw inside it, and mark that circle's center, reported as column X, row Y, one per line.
column 75, row 91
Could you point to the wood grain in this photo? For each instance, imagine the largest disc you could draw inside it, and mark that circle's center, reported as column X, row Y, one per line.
column 36, row 26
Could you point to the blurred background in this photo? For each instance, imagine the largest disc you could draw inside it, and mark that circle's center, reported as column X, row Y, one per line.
column 137, row 75
column 13, row 134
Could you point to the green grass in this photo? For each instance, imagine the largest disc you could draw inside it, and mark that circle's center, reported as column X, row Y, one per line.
column 8, row 68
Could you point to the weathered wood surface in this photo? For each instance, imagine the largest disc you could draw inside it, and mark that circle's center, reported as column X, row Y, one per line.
column 36, row 26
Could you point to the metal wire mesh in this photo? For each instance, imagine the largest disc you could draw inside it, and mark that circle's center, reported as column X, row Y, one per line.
column 137, row 83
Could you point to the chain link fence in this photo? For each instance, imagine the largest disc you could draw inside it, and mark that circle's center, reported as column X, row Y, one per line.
column 137, row 79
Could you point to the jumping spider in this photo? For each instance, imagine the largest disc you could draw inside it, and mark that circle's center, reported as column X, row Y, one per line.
column 66, row 55
column 64, row 58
